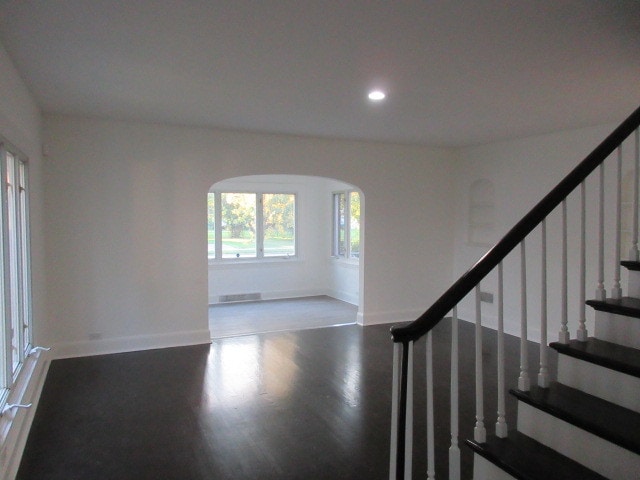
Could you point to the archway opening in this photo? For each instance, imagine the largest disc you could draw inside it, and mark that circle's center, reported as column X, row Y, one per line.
column 285, row 253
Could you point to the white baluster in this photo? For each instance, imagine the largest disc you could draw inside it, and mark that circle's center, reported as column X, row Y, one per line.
column 524, row 383
column 543, row 374
column 454, row 449
column 634, row 255
column 395, row 400
column 616, row 290
column 479, row 431
column 431, row 462
column 501, row 423
column 563, row 336
column 408, row 438
column 582, row 333
column 601, row 293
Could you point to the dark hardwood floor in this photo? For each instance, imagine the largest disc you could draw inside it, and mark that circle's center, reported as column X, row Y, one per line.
column 311, row 404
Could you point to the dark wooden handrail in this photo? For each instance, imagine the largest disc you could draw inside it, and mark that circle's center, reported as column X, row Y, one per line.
column 500, row 250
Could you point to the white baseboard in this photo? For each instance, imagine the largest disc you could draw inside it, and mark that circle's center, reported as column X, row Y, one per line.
column 379, row 318
column 15, row 424
column 347, row 297
column 277, row 295
column 130, row 344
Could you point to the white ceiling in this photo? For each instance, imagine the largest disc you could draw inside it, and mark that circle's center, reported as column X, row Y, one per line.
column 458, row 72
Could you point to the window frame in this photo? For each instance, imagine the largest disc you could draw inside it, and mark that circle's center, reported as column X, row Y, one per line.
column 336, row 227
column 15, row 261
column 259, row 257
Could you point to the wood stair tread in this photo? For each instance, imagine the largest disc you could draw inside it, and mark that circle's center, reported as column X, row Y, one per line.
column 607, row 420
column 606, row 354
column 628, row 306
column 631, row 265
column 526, row 459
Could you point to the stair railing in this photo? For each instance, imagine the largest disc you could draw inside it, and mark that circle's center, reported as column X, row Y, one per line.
column 404, row 337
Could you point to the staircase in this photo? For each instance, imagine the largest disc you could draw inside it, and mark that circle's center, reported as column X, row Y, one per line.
column 585, row 424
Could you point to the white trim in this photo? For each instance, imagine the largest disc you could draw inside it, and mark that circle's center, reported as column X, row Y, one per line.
column 131, row 344
column 391, row 317
column 348, row 297
column 15, row 425
column 259, row 232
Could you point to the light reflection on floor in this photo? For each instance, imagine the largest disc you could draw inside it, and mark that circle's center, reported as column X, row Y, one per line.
column 274, row 406
column 352, row 377
column 241, row 368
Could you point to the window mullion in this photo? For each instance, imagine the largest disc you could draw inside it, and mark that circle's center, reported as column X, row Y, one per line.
column 334, row 233
column 259, row 225
column 347, row 225
column 18, row 294
column 25, row 242
column 5, row 361
column 218, row 225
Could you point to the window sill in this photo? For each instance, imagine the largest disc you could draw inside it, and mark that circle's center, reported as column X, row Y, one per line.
column 15, row 423
column 252, row 262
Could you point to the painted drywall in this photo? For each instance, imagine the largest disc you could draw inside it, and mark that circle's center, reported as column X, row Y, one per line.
column 20, row 125
column 522, row 173
column 127, row 240
column 311, row 272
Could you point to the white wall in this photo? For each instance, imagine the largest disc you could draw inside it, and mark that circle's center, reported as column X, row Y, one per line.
column 312, row 271
column 522, row 172
column 20, row 124
column 127, row 240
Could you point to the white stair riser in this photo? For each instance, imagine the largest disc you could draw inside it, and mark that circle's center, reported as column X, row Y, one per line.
column 610, row 385
column 633, row 285
column 483, row 469
column 617, row 329
column 590, row 450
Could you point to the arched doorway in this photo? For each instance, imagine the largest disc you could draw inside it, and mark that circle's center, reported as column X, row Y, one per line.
column 318, row 260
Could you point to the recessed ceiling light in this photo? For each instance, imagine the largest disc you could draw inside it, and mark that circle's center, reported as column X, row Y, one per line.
column 377, row 95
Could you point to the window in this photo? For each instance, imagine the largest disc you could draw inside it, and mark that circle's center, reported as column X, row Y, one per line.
column 251, row 225
column 15, row 296
column 346, row 225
